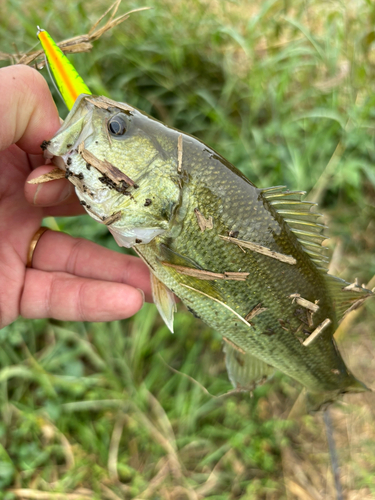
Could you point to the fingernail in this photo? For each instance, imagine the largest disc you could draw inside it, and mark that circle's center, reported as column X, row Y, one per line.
column 143, row 295
column 36, row 194
column 65, row 193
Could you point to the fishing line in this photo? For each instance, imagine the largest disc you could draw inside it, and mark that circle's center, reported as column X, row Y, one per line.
column 53, row 80
column 333, row 453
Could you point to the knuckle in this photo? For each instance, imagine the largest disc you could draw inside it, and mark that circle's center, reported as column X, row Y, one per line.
column 72, row 263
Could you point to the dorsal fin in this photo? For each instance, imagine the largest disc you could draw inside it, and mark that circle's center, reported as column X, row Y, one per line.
column 297, row 214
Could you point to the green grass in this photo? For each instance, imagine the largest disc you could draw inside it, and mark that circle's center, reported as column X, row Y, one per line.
column 276, row 87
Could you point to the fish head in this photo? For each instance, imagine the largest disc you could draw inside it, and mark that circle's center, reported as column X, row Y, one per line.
column 123, row 165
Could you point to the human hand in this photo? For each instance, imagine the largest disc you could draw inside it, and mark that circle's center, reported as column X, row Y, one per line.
column 71, row 278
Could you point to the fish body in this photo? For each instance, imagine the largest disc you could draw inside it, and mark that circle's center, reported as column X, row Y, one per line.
column 247, row 261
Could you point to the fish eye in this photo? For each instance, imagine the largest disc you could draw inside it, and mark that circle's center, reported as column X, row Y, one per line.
column 117, row 125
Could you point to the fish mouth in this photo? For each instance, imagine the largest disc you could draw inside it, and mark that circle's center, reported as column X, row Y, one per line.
column 77, row 128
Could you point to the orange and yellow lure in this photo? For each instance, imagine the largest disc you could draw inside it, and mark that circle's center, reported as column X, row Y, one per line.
column 68, row 81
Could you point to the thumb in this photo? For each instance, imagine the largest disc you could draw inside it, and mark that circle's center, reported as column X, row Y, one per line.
column 28, row 113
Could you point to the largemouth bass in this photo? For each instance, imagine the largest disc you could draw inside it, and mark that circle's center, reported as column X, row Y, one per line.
column 247, row 261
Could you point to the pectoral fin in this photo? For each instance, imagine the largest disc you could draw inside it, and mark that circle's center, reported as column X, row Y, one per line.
column 164, row 301
column 244, row 370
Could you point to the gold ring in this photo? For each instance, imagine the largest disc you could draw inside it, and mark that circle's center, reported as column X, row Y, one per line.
column 33, row 243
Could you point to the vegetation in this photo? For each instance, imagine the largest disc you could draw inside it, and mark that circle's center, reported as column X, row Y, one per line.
column 123, row 410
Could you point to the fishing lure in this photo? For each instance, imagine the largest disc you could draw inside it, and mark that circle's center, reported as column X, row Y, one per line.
column 68, row 81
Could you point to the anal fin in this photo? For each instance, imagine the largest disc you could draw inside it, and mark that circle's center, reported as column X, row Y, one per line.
column 164, row 301
column 245, row 371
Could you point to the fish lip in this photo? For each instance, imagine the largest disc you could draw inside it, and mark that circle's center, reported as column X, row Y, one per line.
column 79, row 121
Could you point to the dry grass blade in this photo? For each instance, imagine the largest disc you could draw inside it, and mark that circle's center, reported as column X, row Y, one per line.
column 207, row 275
column 296, row 481
column 81, row 43
column 298, row 490
column 114, row 7
column 109, row 494
column 26, row 493
column 304, row 303
column 175, row 464
column 162, row 418
column 114, row 447
column 94, row 35
column 219, row 302
column 188, row 377
column 213, row 479
column 288, row 259
column 350, row 316
column 106, row 103
column 54, row 175
column 49, row 431
column 318, row 330
column 80, row 46
column 353, row 287
column 157, row 480
column 179, row 492
column 321, row 185
column 112, row 218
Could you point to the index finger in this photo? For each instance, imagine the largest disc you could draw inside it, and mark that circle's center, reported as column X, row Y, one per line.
column 28, row 113
column 60, row 252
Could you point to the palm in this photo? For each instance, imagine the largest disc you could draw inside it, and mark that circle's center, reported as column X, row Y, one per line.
column 17, row 225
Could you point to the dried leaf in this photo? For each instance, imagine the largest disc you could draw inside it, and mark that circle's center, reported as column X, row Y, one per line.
column 203, row 223
column 258, row 309
column 105, row 167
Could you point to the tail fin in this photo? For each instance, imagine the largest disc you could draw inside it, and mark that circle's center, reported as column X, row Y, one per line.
column 311, row 402
column 316, row 401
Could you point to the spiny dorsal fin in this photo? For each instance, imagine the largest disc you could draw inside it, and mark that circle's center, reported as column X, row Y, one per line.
column 245, row 371
column 297, row 214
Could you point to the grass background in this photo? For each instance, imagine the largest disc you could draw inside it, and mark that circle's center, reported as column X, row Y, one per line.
column 285, row 91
